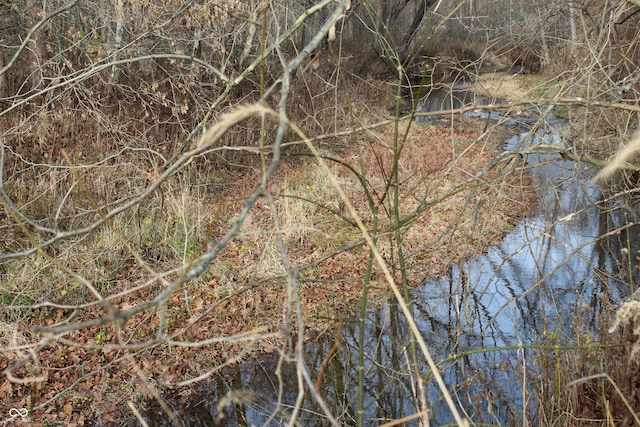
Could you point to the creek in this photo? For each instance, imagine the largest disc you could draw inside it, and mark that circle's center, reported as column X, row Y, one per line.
column 553, row 274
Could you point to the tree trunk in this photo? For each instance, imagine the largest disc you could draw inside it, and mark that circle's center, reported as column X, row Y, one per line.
column 115, row 70
column 3, row 80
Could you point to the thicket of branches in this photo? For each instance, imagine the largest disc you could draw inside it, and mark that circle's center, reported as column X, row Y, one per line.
column 126, row 125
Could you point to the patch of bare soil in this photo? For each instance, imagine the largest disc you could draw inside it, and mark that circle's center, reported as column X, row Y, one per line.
column 452, row 206
column 506, row 86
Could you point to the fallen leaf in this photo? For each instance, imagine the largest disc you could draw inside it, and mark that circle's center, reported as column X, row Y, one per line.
column 6, row 389
column 68, row 408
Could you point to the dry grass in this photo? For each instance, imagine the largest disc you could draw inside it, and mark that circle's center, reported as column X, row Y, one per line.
column 625, row 154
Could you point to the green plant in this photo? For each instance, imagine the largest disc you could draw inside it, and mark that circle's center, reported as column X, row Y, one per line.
column 100, row 338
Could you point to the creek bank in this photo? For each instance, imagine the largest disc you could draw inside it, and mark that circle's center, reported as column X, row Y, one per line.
column 444, row 231
column 482, row 320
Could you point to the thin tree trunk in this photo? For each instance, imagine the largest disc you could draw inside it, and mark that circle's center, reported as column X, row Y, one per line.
column 3, row 80
column 115, row 70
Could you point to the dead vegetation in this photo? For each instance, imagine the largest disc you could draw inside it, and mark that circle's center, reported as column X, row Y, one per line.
column 82, row 139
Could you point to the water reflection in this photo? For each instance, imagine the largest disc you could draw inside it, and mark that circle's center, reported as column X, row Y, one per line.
column 550, row 270
column 443, row 99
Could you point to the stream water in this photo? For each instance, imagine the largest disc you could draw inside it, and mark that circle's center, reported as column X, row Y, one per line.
column 552, row 272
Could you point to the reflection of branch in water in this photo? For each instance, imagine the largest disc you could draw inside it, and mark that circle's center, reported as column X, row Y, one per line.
column 233, row 397
column 332, row 352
